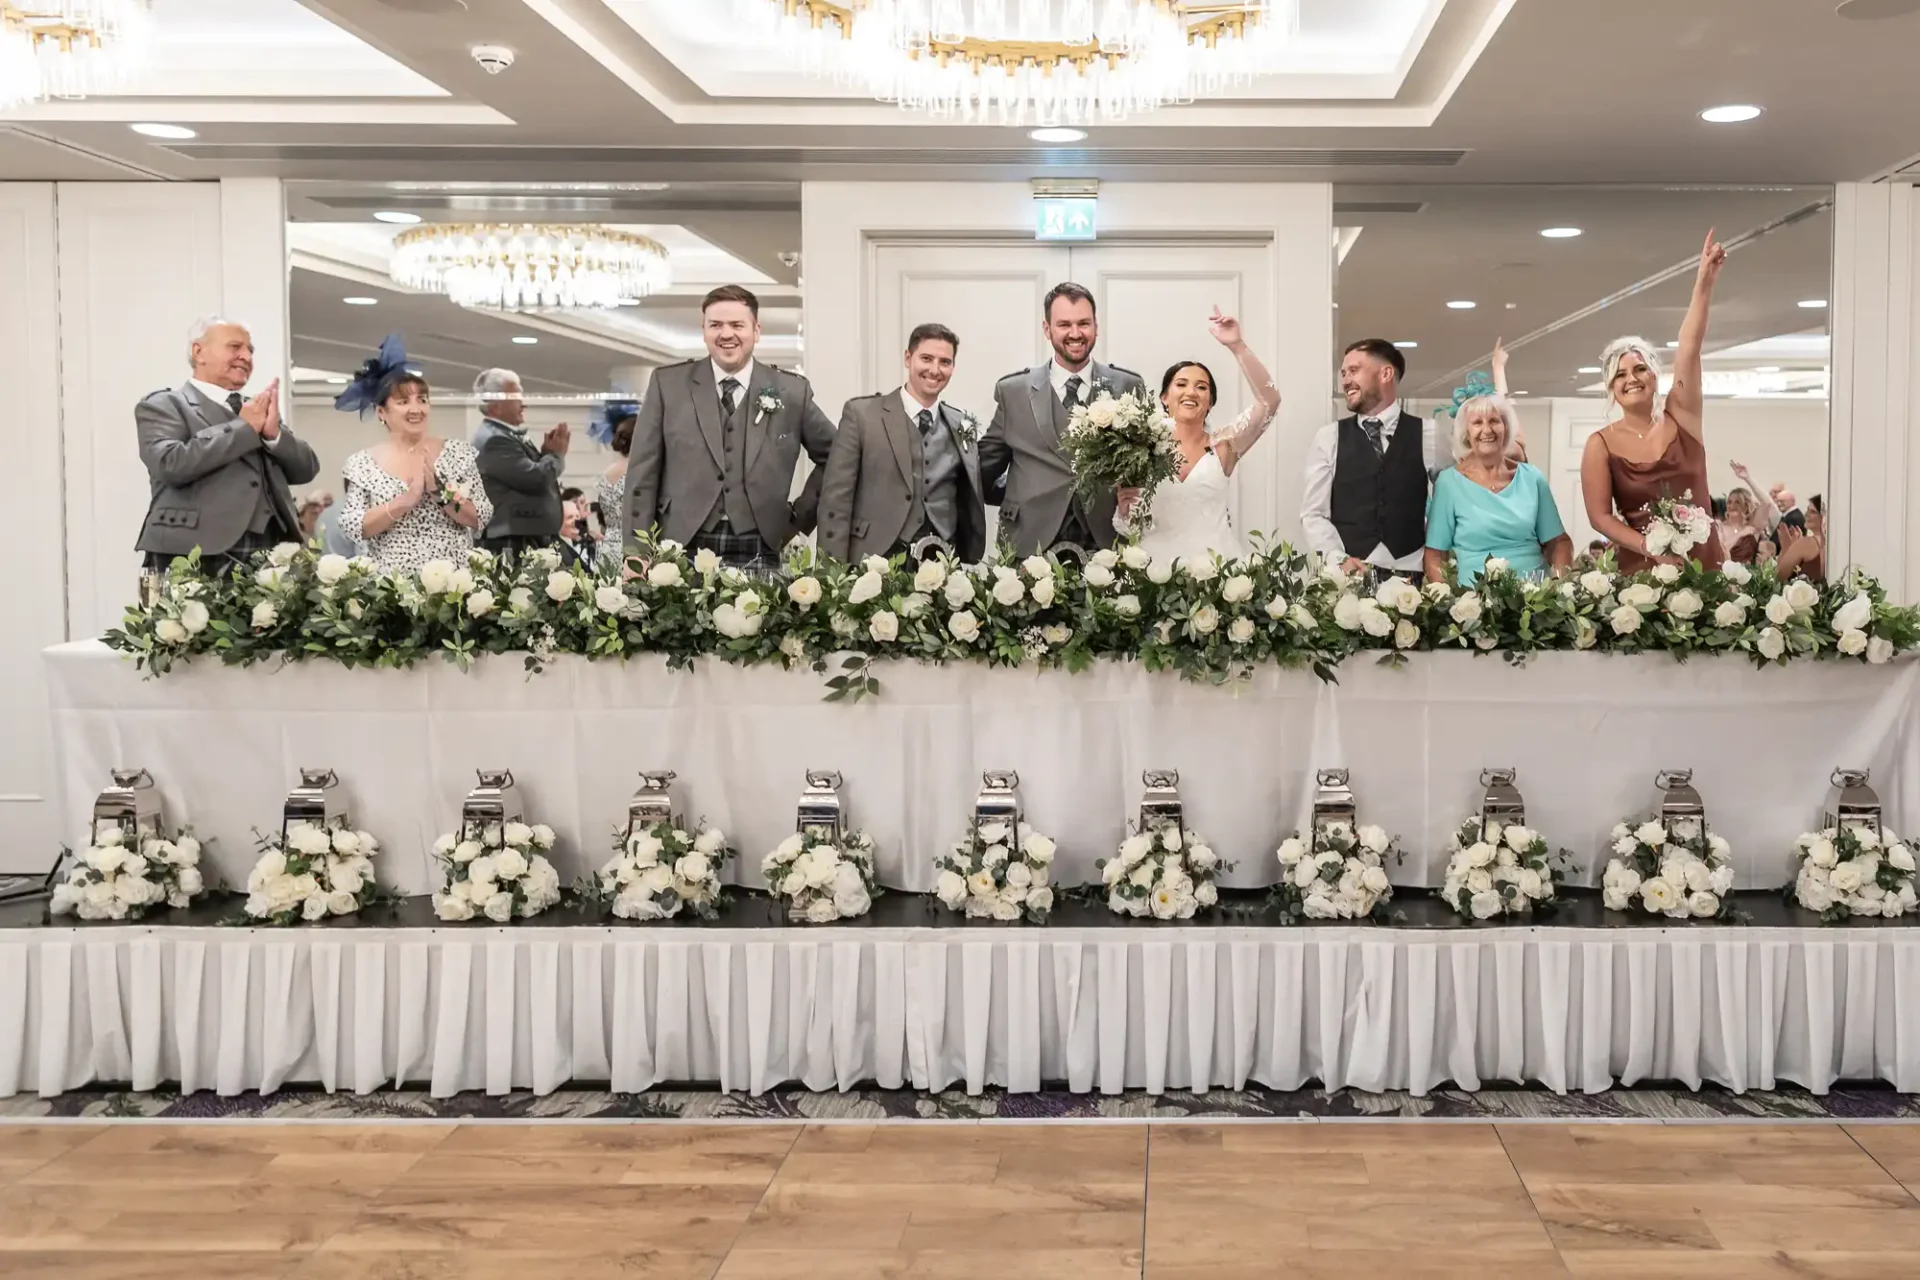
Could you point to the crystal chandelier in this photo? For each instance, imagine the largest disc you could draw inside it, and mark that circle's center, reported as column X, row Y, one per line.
column 527, row 267
column 1032, row 61
column 68, row 48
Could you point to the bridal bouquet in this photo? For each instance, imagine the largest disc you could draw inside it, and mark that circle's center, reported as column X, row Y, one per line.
column 1163, row 872
column 1853, row 871
column 662, row 868
column 1341, row 876
column 1677, row 872
column 999, row 873
column 1676, row 527
column 116, row 880
column 1501, row 871
column 310, row 873
column 822, row 880
column 501, row 875
column 1120, row 442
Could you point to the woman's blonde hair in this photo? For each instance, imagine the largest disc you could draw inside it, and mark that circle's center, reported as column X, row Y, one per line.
column 1498, row 404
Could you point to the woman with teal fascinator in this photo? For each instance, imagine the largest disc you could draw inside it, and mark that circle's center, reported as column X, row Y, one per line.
column 1492, row 504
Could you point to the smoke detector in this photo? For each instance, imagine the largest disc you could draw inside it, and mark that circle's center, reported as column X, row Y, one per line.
column 493, row 58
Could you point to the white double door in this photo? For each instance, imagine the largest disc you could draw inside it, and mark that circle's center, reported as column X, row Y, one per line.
column 1153, row 300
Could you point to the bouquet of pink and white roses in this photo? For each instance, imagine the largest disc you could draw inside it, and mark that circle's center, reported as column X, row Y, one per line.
column 1676, row 526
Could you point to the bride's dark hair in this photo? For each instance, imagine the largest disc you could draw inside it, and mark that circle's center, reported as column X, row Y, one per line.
column 1166, row 380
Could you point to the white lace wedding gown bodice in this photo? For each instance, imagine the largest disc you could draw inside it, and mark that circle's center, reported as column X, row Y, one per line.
column 1189, row 518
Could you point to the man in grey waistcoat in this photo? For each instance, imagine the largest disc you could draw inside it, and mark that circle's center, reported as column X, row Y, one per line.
column 1020, row 457
column 716, row 444
column 904, row 465
column 522, row 479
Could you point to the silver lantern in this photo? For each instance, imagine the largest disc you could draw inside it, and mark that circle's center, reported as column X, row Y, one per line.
column 1333, row 804
column 653, row 802
column 1502, row 803
column 131, row 804
column 821, row 813
column 1681, row 810
column 317, row 800
column 1852, row 802
column 1160, row 805
column 494, row 801
column 999, row 801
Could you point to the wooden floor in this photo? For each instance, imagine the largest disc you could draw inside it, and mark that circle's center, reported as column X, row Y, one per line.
column 580, row 1202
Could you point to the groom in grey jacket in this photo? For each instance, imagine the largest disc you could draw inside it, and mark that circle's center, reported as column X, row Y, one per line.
column 1020, row 454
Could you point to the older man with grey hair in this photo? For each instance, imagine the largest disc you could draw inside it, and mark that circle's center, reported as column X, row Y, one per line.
column 522, row 479
column 220, row 465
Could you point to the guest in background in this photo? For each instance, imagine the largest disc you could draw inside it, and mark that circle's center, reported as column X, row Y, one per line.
column 903, row 467
column 413, row 497
column 1598, row 547
column 577, row 543
column 1656, row 448
column 1517, row 448
column 1020, row 460
column 312, row 507
column 522, row 479
column 1741, row 519
column 219, row 465
column 332, row 541
column 1367, row 476
column 613, row 426
column 1490, row 506
column 717, row 441
column 1801, row 537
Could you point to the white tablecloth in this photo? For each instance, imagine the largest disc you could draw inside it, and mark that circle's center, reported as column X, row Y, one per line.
column 1106, row 1009
column 1587, row 732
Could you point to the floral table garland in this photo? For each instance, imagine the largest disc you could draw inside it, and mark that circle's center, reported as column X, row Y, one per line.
column 1339, row 874
column 119, row 879
column 999, row 872
column 659, row 870
column 310, row 872
column 1853, row 870
column 500, row 874
column 1206, row 619
column 1497, row 870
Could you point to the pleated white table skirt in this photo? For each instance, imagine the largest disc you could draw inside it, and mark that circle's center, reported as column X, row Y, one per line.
column 1101, row 1009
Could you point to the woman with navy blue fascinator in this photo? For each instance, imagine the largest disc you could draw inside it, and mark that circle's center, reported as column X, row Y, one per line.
column 612, row 427
column 413, row 498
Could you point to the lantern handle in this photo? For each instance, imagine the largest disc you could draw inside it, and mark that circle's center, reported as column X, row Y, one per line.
column 1851, row 777
column 657, row 778
column 131, row 778
column 1160, row 778
column 1667, row 779
column 1000, row 779
column 1498, row 777
column 322, row 778
column 495, row 777
column 826, row 778
column 1330, row 777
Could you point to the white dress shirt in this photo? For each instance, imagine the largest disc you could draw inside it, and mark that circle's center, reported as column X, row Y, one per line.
column 1316, row 500
column 744, row 377
column 915, row 408
column 219, row 396
column 1059, row 375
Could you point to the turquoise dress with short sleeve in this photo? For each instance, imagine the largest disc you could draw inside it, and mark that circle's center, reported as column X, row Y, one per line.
column 1477, row 524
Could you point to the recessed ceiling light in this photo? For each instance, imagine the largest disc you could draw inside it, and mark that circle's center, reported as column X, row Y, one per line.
column 1523, row 393
column 1813, row 304
column 399, row 217
column 1406, row 346
column 1461, row 304
column 1736, row 114
column 171, row 132
column 361, row 302
column 1058, row 135
column 524, row 340
column 1590, row 368
column 1560, row 233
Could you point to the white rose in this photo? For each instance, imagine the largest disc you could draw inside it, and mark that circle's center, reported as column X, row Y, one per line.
column 1729, row 614
column 1467, row 609
column 1373, row 839
column 609, row 598
column 1658, row 895
column 952, row 889
column 560, row 585
column 929, row 576
column 1852, row 643
column 1405, row 635
column 1043, row 591
column 1291, row 851
column 1056, row 634
column 665, row 573
column 1584, row 634
column 1241, row 631
column 964, row 626
column 959, row 590
column 1855, row 614
column 1488, row 904
column 450, row 908
column 866, row 587
column 1779, row 611
column 1277, row 608
column 1160, row 572
column 194, row 617
column 1847, row 877
column 436, row 576
column 1650, row 833
column 1496, row 566
column 1666, row 573
column 1135, row 557
column 1374, row 621
column 1204, row 620
column 1640, row 596
column 1703, row 905
column 804, row 592
column 520, row 599
column 884, row 627
column 169, row 631
column 1346, row 613
column 1097, row 576
column 1374, row 880
column 1037, row 567
column 1019, row 875
column 1899, row 857
column 1771, row 643
column 269, row 577
column 706, row 562
column 1684, row 604
column 1399, row 595
column 1237, row 590
column 1127, row 606
column 1625, row 620
column 1801, row 595
column 1595, row 583
column 1479, row 880
column 480, row 604
column 1659, row 537
column 1199, row 568
column 461, row 583
column 1879, row 650
column 264, row 615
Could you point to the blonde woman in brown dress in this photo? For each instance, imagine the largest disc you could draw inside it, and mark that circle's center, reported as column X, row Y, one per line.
column 1656, row 448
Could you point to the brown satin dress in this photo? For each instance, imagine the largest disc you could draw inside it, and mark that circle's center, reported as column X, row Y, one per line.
column 1680, row 470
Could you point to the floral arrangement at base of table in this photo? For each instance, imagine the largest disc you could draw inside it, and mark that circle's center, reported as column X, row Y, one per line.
column 999, row 872
column 1205, row 618
column 1853, row 870
column 821, row 878
column 663, row 868
column 310, row 872
column 1339, row 875
column 117, row 880
column 1162, row 872
column 502, row 874
column 1500, row 870
column 1680, row 871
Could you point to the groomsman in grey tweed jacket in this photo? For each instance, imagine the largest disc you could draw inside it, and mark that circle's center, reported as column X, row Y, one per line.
column 716, row 444
column 1020, row 457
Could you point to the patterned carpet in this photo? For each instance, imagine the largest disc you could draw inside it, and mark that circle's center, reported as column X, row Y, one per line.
column 1864, row 1102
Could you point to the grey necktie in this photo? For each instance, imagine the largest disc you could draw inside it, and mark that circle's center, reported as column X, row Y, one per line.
column 234, row 401
column 924, row 420
column 729, row 387
column 1372, row 426
column 1073, row 392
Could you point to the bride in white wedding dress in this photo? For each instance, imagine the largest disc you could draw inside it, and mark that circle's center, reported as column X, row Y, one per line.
column 1188, row 517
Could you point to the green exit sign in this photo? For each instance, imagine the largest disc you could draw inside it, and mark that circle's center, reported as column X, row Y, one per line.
column 1065, row 218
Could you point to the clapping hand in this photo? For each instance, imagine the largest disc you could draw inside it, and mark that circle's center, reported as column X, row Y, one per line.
column 1225, row 329
column 418, row 474
column 262, row 413
column 557, row 439
column 1713, row 256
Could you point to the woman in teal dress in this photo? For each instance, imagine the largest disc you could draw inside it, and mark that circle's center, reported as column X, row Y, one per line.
column 1490, row 505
